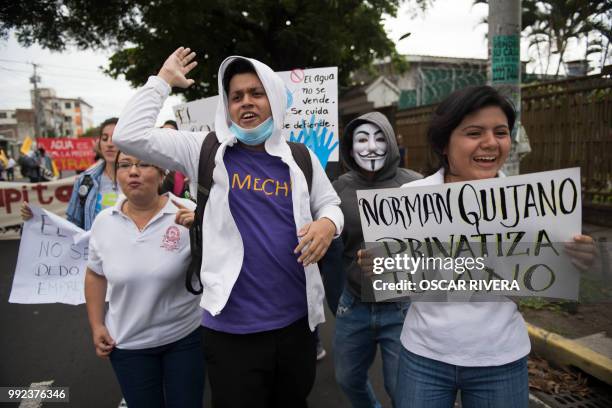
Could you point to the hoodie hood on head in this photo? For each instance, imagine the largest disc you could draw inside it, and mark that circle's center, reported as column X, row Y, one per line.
column 275, row 91
column 346, row 144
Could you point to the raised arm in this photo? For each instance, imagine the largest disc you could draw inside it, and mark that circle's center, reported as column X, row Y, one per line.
column 136, row 133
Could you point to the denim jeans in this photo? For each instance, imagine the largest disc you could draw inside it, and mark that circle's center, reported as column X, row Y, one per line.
column 360, row 327
column 167, row 376
column 423, row 382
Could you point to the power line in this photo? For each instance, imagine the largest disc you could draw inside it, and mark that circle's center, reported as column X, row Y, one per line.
column 54, row 74
column 50, row 65
column 13, row 70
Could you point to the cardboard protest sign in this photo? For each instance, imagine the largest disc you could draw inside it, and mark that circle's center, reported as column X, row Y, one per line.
column 312, row 117
column 52, row 196
column 52, row 261
column 514, row 226
column 69, row 153
column 197, row 116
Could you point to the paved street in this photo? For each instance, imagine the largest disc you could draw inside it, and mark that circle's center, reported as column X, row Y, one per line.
column 52, row 342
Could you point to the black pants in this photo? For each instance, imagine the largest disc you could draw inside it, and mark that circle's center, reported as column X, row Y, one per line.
column 269, row 369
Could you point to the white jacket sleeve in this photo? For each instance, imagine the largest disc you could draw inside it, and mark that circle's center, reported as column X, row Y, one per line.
column 324, row 202
column 137, row 135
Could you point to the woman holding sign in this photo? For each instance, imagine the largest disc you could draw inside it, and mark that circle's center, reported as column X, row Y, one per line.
column 151, row 330
column 479, row 348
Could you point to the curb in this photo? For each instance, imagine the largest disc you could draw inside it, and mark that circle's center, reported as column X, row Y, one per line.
column 564, row 351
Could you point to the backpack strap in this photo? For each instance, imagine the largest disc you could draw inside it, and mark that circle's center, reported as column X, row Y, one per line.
column 300, row 154
column 206, row 166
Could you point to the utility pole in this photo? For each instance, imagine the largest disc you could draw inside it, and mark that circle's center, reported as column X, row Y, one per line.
column 35, row 79
column 505, row 69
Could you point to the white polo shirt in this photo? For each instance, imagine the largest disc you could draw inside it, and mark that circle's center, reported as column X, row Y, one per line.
column 149, row 305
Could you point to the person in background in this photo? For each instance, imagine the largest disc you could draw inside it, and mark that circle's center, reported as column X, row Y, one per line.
column 151, row 331
column 370, row 152
column 175, row 181
column 10, row 169
column 45, row 163
column 95, row 189
column 29, row 167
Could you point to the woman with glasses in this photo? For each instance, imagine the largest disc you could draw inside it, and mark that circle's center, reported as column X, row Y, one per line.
column 151, row 330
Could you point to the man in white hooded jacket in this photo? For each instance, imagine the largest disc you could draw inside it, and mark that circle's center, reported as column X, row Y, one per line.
column 262, row 292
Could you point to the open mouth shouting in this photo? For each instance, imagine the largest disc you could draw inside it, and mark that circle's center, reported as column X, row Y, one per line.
column 249, row 118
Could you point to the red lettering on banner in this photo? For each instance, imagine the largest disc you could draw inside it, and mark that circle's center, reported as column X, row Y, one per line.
column 9, row 196
column 24, row 193
column 39, row 189
column 63, row 193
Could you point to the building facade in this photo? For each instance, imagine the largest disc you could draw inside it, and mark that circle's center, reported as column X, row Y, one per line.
column 62, row 117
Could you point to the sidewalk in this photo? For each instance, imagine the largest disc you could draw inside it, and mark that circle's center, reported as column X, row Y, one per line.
column 590, row 351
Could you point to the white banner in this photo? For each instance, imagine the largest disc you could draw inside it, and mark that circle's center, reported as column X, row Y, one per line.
column 52, row 196
column 517, row 224
column 311, row 119
column 52, row 261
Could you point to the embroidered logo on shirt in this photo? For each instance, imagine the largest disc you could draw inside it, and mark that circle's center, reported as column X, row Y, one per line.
column 171, row 239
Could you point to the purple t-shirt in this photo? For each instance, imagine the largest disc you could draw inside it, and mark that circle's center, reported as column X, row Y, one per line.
column 270, row 291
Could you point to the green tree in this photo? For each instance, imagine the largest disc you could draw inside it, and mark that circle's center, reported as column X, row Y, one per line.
column 557, row 22
column 284, row 34
column 550, row 25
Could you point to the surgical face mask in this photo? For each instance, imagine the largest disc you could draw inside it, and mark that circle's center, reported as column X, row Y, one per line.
column 369, row 147
column 255, row 136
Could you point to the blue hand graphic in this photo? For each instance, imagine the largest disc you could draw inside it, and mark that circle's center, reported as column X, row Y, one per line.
column 315, row 139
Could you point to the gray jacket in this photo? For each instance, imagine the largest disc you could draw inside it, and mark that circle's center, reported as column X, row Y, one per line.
column 389, row 176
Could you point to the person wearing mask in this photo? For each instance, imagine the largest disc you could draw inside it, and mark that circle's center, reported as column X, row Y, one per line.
column 151, row 329
column 263, row 231
column 370, row 152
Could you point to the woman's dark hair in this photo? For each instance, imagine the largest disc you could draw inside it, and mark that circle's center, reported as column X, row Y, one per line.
column 171, row 123
column 452, row 110
column 97, row 148
column 109, row 121
column 237, row 66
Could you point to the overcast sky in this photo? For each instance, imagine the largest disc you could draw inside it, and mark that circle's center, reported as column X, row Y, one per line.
column 451, row 28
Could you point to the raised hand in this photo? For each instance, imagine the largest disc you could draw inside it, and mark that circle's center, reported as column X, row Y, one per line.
column 177, row 66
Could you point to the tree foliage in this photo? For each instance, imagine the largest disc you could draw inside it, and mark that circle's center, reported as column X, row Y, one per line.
column 554, row 23
column 284, row 34
column 550, row 25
